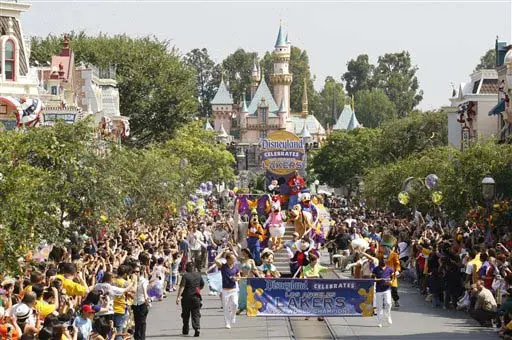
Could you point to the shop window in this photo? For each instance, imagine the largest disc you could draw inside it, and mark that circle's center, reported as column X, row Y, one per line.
column 10, row 60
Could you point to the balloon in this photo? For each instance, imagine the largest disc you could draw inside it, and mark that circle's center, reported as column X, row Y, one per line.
column 403, row 198
column 209, row 186
column 431, row 181
column 437, row 197
column 235, row 190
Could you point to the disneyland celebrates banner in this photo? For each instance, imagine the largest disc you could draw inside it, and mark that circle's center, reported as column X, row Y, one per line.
column 282, row 153
column 311, row 297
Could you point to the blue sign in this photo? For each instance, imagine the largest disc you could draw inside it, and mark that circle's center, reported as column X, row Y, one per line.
column 309, row 297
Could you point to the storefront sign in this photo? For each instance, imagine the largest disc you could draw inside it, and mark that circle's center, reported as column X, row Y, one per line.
column 282, row 153
column 311, row 297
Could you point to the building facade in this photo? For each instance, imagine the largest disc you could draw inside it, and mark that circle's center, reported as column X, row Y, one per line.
column 41, row 95
column 468, row 114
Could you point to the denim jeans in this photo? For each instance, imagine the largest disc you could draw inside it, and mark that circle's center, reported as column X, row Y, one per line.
column 119, row 324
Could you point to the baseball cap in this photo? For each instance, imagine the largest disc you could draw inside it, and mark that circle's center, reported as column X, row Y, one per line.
column 88, row 309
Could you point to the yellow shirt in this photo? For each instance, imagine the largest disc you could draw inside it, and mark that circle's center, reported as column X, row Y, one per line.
column 44, row 308
column 120, row 301
column 311, row 272
column 72, row 288
column 26, row 290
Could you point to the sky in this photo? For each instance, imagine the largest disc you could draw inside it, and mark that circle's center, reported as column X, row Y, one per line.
column 445, row 38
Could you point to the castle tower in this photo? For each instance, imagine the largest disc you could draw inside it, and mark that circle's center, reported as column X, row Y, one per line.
column 283, row 114
column 281, row 79
column 255, row 77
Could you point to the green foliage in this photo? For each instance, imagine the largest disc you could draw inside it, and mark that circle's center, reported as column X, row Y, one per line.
column 237, row 69
column 415, row 133
column 332, row 97
column 359, row 74
column 207, row 78
column 487, row 61
column 373, row 107
column 397, row 77
column 460, row 175
column 157, row 90
column 345, row 155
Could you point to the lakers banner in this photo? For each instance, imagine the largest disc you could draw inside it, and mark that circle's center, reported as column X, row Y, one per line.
column 282, row 153
column 311, row 297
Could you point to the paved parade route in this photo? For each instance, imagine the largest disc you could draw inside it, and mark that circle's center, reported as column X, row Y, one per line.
column 416, row 319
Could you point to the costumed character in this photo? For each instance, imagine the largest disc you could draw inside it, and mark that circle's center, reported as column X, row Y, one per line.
column 274, row 187
column 296, row 184
column 267, row 268
column 364, row 261
column 303, row 221
column 317, row 233
column 387, row 254
column 276, row 225
column 255, row 235
column 301, row 256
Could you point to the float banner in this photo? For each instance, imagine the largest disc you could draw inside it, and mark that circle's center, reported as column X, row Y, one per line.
column 311, row 297
column 282, row 153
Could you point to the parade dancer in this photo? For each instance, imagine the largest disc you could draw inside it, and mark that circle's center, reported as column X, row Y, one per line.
column 230, row 277
column 392, row 260
column 383, row 276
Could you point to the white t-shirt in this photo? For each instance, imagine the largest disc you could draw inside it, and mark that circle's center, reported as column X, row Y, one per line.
column 404, row 249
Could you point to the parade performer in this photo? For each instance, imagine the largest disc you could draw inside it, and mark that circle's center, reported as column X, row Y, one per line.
column 255, row 235
column 267, row 268
column 274, row 187
column 303, row 221
column 296, row 184
column 391, row 258
column 275, row 224
column 301, row 257
column 383, row 276
column 307, row 205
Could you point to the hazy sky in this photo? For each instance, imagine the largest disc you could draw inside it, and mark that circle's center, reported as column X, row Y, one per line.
column 445, row 38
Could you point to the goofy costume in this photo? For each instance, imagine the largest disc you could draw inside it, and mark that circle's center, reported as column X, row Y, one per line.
column 387, row 254
column 255, row 234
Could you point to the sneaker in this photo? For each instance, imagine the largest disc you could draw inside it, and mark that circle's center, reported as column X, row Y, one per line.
column 379, row 325
column 196, row 333
column 390, row 322
column 228, row 326
column 321, row 318
column 397, row 304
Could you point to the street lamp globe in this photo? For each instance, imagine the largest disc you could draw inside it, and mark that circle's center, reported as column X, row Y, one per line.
column 488, row 188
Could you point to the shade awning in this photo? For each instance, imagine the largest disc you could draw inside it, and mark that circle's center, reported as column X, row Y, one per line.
column 498, row 108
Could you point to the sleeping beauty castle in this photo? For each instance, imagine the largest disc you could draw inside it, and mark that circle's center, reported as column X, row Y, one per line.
column 266, row 111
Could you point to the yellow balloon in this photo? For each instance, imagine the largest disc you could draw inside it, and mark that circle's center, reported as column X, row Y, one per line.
column 235, row 190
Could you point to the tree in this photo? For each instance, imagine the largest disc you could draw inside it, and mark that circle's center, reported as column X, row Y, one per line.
column 207, row 77
column 157, row 90
column 397, row 77
column 237, row 69
column 359, row 74
column 373, row 107
column 413, row 134
column 487, row 61
column 332, row 99
column 345, row 156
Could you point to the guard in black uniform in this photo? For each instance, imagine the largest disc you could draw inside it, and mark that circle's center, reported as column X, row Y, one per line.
column 189, row 294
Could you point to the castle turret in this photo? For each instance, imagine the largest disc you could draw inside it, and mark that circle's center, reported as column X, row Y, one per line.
column 281, row 79
column 283, row 115
column 305, row 97
column 243, row 116
column 222, row 107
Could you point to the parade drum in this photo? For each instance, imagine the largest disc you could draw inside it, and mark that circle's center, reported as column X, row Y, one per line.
column 277, row 230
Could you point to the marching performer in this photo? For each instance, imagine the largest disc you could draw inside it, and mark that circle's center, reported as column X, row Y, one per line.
column 387, row 254
column 383, row 276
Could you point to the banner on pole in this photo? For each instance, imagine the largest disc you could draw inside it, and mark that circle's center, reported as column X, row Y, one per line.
column 309, row 297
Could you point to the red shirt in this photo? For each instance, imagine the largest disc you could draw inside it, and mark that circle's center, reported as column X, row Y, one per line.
column 296, row 184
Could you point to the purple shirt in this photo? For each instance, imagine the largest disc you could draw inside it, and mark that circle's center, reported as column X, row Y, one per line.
column 228, row 276
column 382, row 273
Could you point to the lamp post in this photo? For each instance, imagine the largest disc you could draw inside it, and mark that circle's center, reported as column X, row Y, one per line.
column 488, row 194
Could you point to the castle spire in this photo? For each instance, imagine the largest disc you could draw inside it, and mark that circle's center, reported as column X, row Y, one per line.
column 305, row 98
column 280, row 41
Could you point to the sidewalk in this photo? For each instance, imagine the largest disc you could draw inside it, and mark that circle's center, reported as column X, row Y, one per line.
column 164, row 322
